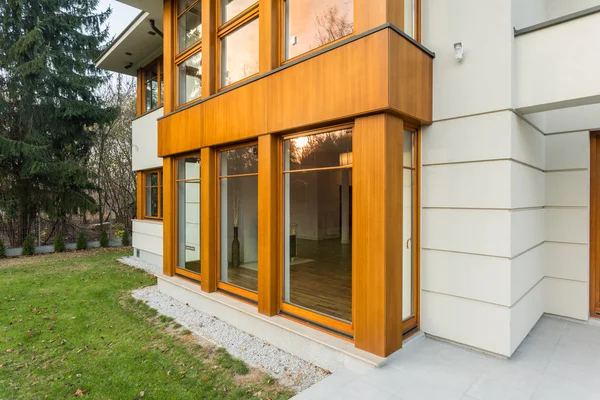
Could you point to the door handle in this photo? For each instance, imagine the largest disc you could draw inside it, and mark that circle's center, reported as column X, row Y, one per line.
column 407, row 242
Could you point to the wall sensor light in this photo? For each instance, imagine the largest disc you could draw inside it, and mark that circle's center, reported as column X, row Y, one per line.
column 458, row 51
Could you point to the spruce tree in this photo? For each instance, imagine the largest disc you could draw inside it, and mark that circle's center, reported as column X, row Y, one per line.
column 49, row 107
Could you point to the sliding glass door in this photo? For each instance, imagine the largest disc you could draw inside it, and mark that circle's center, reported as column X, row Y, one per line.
column 317, row 234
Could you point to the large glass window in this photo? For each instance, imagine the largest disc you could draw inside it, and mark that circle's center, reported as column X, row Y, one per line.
column 189, row 23
column 238, row 41
column 189, row 45
column 153, row 194
column 309, row 24
column 317, row 235
column 232, row 8
column 153, row 86
column 238, row 183
column 188, row 214
column 239, row 54
column 190, row 78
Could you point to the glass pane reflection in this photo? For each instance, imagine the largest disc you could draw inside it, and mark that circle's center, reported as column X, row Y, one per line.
column 318, row 223
column 239, row 231
column 188, row 210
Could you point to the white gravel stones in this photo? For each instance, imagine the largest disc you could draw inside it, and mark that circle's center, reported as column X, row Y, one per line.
column 288, row 369
column 136, row 262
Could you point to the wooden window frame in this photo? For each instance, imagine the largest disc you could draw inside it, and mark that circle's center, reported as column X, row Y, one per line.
column 282, row 25
column 145, row 186
column 141, row 95
column 240, row 20
column 181, row 271
column 185, row 54
column 229, row 288
column 594, row 300
column 412, row 324
column 331, row 324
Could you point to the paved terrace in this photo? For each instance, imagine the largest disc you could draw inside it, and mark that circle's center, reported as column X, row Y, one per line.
column 559, row 359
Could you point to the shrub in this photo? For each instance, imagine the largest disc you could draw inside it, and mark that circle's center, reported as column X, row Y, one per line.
column 103, row 238
column 118, row 229
column 2, row 249
column 81, row 241
column 125, row 238
column 28, row 246
column 59, row 244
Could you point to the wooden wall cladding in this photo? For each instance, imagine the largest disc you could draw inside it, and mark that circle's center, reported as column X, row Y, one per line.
column 377, row 184
column 411, row 79
column 379, row 72
column 345, row 82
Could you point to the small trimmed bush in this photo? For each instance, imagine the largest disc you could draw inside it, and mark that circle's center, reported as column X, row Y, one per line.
column 59, row 244
column 103, row 238
column 81, row 241
column 28, row 246
column 125, row 238
column 2, row 249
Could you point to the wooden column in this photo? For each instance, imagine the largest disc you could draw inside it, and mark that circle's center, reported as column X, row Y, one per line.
column 269, row 35
column 169, row 217
column 377, row 233
column 208, row 220
column 369, row 14
column 209, row 43
column 168, row 54
column 268, row 226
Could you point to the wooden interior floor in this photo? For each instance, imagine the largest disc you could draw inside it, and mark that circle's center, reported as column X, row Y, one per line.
column 320, row 277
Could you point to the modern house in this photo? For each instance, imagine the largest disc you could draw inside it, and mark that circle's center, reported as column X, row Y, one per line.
column 335, row 175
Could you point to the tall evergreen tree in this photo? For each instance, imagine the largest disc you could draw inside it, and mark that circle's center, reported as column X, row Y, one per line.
column 49, row 109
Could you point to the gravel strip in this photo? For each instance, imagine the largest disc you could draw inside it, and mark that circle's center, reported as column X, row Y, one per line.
column 288, row 369
column 136, row 262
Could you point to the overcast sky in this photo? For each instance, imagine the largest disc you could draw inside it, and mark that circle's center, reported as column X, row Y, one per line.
column 121, row 16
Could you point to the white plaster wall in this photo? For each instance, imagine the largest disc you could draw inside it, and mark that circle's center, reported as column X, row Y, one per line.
column 148, row 238
column 505, row 206
column 541, row 59
column 559, row 8
column 483, row 229
column 528, row 12
column 144, row 141
column 482, row 81
column 566, row 248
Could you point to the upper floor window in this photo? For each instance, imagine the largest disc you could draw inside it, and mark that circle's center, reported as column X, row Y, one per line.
column 312, row 24
column 153, row 85
column 189, row 44
column 233, row 8
column 189, row 23
column 238, row 40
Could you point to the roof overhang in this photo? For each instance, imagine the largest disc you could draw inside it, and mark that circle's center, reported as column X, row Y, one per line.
column 134, row 48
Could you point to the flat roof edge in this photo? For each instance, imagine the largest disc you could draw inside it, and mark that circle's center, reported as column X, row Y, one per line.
column 124, row 34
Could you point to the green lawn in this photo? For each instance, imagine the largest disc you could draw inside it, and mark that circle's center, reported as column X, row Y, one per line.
column 69, row 327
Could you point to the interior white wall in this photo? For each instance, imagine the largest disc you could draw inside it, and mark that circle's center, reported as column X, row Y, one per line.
column 144, row 141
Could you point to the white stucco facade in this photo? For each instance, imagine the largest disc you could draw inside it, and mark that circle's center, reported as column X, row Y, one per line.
column 505, row 169
column 147, row 237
